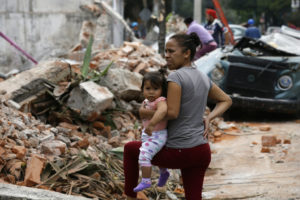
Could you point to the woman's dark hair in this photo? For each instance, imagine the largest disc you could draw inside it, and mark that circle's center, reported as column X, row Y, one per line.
column 157, row 79
column 187, row 42
column 188, row 20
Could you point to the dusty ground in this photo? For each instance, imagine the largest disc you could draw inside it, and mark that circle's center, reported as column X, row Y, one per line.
column 240, row 171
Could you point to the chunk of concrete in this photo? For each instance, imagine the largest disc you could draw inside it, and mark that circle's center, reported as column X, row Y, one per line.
column 54, row 147
column 14, row 192
column 90, row 99
column 52, row 71
column 123, row 83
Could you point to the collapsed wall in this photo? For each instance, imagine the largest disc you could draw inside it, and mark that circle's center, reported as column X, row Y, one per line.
column 43, row 29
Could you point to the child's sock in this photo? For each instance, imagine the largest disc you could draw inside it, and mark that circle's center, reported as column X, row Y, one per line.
column 144, row 184
column 164, row 175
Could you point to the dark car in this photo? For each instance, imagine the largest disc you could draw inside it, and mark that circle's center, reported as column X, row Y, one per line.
column 256, row 75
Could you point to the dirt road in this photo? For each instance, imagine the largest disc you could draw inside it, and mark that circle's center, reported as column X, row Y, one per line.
column 239, row 170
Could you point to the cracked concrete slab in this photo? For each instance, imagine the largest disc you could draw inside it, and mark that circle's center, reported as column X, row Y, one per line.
column 14, row 192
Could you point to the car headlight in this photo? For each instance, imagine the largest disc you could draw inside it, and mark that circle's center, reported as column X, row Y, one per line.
column 285, row 82
column 217, row 73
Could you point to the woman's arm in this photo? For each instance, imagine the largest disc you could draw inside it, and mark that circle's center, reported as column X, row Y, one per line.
column 173, row 100
column 158, row 116
column 223, row 103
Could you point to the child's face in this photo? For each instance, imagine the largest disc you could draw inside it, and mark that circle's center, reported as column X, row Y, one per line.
column 150, row 92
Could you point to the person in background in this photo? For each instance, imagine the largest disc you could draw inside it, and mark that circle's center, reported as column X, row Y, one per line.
column 187, row 146
column 252, row 31
column 135, row 28
column 216, row 28
column 207, row 42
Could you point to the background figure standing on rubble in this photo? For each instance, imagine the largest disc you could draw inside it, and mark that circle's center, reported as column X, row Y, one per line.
column 216, row 28
column 135, row 28
column 252, row 31
column 207, row 42
column 187, row 145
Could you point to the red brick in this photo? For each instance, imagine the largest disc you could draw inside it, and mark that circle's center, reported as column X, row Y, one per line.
column 268, row 141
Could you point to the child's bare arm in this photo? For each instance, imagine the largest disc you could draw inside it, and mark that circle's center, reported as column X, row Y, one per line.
column 158, row 116
column 146, row 113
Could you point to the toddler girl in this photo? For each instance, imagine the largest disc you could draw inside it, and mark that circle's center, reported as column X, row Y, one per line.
column 154, row 135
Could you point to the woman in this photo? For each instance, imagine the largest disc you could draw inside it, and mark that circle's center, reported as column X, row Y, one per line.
column 187, row 147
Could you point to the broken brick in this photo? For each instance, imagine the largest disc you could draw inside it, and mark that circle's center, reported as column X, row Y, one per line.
column 265, row 150
column 98, row 125
column 34, row 168
column 217, row 133
column 265, row 128
column 286, row 141
column 83, row 143
column 20, row 151
column 268, row 141
column 69, row 126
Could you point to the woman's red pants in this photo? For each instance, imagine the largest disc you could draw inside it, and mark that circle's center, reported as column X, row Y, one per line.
column 192, row 162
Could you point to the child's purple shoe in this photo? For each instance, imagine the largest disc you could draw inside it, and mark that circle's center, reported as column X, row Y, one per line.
column 163, row 178
column 141, row 186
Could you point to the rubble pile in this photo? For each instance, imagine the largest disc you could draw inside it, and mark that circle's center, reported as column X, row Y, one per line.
column 175, row 24
column 62, row 158
column 67, row 159
column 134, row 56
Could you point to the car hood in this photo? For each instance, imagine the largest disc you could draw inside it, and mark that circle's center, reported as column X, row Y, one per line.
column 283, row 42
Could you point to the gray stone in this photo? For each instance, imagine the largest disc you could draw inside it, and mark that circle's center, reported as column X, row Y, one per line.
column 46, row 136
column 124, row 105
column 90, row 99
column 34, row 142
column 22, row 135
column 19, row 124
column 123, row 83
column 115, row 133
column 26, row 119
column 64, row 139
column 13, row 104
column 54, row 130
column 30, row 132
column 20, row 142
column 14, row 192
column 63, row 130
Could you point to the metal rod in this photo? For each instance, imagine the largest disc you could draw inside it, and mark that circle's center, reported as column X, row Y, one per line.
column 18, row 48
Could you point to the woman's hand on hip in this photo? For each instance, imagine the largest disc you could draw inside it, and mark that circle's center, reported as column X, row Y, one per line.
column 206, row 122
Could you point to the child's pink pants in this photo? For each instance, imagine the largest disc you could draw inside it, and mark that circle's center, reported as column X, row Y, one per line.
column 192, row 162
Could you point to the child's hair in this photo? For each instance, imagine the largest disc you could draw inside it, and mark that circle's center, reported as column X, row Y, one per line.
column 157, row 79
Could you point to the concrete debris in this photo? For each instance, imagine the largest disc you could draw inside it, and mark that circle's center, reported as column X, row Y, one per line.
column 90, row 99
column 268, row 141
column 36, row 154
column 14, row 192
column 24, row 82
column 123, row 83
